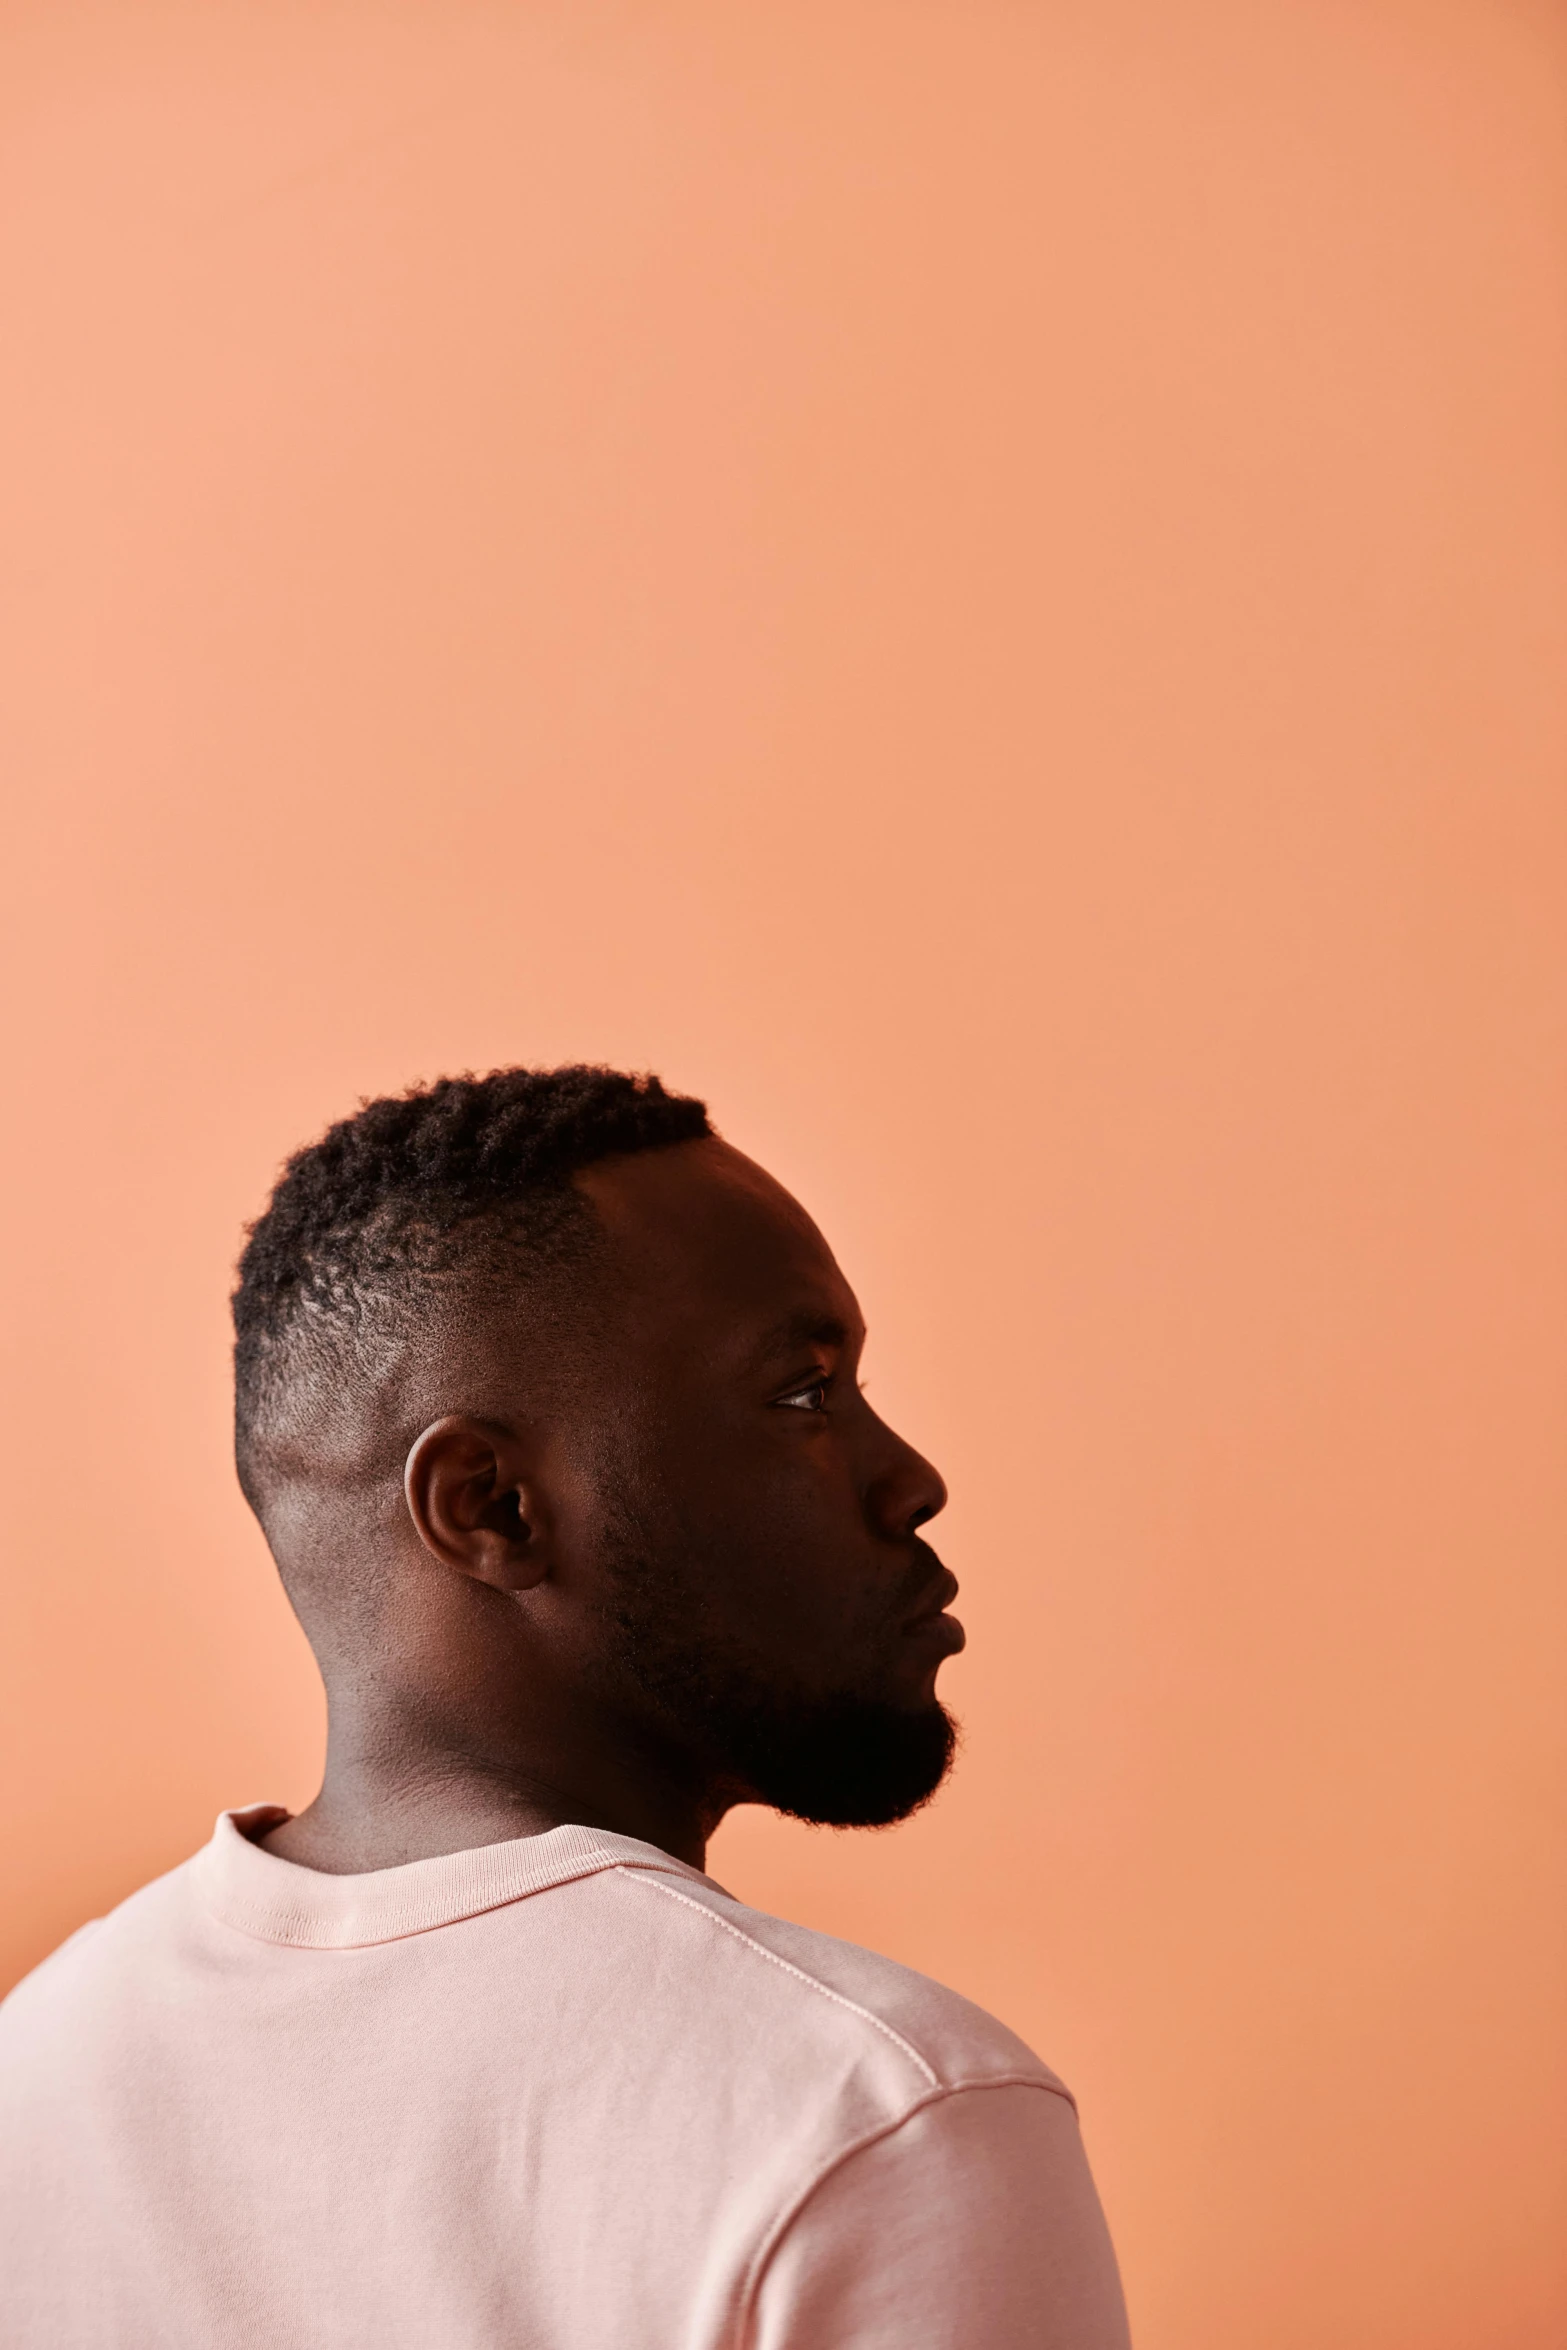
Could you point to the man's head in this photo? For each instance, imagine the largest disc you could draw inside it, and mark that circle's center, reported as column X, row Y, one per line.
column 547, row 1400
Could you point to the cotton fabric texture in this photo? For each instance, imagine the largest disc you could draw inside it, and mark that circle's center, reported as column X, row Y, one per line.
column 560, row 2093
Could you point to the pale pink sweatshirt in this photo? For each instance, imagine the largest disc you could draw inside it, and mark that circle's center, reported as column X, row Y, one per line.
column 557, row 2094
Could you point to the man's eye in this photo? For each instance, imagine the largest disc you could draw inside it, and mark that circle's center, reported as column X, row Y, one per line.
column 807, row 1399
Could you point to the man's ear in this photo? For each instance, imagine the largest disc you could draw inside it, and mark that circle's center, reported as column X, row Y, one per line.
column 468, row 1492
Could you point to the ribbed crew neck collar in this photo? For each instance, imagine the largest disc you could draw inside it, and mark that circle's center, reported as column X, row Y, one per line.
column 276, row 1900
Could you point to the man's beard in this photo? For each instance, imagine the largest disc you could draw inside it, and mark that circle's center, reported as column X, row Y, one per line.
column 841, row 1759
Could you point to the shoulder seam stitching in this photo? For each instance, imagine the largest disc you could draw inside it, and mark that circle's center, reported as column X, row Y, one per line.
column 887, row 2129
column 799, row 1974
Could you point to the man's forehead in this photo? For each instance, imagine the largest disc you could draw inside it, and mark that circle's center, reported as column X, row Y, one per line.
column 702, row 1223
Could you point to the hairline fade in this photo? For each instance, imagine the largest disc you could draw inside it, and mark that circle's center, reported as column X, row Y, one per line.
column 400, row 1216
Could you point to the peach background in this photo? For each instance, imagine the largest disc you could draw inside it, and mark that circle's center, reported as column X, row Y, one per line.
column 983, row 584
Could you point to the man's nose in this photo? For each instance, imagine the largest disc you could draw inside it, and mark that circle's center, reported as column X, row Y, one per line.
column 905, row 1491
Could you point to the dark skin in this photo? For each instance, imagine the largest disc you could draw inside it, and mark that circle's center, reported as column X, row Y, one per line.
column 708, row 1497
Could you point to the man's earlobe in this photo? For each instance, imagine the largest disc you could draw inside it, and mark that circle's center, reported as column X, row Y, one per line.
column 467, row 1487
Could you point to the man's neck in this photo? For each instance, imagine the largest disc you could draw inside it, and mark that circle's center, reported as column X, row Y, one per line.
column 379, row 1810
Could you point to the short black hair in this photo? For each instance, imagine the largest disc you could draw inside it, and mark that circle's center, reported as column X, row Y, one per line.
column 391, row 1208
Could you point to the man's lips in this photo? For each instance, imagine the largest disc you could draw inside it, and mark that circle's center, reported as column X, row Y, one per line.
column 931, row 1623
column 943, row 1634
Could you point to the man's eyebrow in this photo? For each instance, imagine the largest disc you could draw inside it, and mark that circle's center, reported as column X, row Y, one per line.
column 809, row 1326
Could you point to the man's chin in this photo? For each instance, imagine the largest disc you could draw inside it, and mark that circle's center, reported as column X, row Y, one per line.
column 850, row 1763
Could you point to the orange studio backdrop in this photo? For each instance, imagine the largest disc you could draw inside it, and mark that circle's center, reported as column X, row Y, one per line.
column 983, row 583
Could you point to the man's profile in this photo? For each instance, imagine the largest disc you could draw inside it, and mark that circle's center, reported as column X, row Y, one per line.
column 546, row 1400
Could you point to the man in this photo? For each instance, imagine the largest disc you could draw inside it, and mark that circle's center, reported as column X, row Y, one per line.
column 547, row 1402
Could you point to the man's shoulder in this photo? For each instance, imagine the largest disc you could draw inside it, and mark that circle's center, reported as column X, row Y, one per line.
column 97, row 1954
column 798, row 1985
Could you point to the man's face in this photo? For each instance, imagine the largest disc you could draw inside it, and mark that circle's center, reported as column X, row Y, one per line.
column 765, row 1602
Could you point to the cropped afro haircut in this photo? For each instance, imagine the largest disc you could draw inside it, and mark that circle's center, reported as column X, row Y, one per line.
column 403, row 1213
